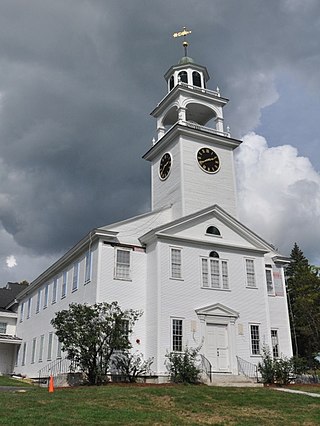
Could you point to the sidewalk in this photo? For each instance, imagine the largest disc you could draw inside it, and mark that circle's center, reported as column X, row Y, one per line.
column 315, row 395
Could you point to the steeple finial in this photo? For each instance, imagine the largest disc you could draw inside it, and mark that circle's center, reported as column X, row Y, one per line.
column 183, row 33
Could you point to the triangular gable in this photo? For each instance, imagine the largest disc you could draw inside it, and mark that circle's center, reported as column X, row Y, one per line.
column 193, row 228
column 217, row 310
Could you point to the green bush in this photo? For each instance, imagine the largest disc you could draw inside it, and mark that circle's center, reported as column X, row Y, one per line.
column 266, row 367
column 182, row 366
column 279, row 371
column 283, row 371
column 131, row 366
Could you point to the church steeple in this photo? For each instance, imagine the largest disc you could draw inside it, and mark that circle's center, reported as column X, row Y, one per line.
column 192, row 155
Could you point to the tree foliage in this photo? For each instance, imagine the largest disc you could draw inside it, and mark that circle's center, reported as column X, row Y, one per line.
column 91, row 333
column 303, row 283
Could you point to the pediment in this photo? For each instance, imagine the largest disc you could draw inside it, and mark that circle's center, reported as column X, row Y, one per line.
column 217, row 310
column 193, row 228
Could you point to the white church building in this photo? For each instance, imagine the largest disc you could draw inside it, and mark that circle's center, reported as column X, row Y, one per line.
column 201, row 278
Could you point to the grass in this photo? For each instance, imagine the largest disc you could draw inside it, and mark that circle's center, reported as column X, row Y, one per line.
column 156, row 405
column 8, row 381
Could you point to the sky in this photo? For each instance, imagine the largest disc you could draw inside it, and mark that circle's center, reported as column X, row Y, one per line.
column 78, row 80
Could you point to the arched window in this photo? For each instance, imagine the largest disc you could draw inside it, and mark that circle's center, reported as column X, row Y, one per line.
column 213, row 230
column 171, row 84
column 214, row 254
column 196, row 79
column 183, row 76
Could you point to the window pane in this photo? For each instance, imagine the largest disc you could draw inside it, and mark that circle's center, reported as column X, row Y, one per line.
column 3, row 327
column 275, row 343
column 75, row 276
column 183, row 76
column 177, row 335
column 215, row 274
column 251, row 281
column 205, row 274
column 171, row 82
column 175, row 263
column 87, row 276
column 225, row 279
column 123, row 264
column 255, row 340
column 196, row 79
column 269, row 281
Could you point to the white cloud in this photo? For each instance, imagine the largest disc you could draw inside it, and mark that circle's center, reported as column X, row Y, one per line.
column 11, row 261
column 279, row 195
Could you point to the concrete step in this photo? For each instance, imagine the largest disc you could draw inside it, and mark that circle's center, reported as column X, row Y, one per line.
column 232, row 380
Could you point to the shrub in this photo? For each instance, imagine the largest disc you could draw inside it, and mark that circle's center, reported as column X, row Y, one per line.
column 182, row 366
column 132, row 365
column 279, row 371
column 283, row 371
column 266, row 367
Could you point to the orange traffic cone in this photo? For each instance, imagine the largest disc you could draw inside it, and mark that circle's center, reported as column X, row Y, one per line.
column 51, row 387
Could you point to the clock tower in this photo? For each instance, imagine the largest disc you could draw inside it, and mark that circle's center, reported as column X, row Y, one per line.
column 191, row 158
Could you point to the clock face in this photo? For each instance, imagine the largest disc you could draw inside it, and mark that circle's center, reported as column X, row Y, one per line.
column 165, row 166
column 208, row 160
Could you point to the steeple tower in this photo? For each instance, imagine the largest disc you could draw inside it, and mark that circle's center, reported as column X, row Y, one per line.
column 192, row 155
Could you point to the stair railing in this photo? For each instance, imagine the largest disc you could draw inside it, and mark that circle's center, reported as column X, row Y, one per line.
column 247, row 369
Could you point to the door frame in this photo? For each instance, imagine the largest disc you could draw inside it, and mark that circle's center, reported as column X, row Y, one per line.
column 221, row 315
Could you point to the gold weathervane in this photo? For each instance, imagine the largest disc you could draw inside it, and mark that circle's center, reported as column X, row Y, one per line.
column 183, row 34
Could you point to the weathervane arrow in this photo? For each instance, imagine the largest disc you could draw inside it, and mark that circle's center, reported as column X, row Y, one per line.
column 183, row 34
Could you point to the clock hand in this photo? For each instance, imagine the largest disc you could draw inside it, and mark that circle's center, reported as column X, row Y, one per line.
column 207, row 159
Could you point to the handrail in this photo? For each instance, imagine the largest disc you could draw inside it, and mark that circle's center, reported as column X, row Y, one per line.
column 60, row 366
column 247, row 369
column 197, row 126
column 206, row 366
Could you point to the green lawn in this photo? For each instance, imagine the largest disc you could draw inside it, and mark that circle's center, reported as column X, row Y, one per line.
column 7, row 381
column 156, row 405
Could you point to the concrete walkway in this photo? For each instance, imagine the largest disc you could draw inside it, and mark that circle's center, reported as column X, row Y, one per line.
column 14, row 389
column 314, row 395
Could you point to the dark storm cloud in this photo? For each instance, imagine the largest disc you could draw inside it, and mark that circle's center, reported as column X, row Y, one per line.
column 79, row 78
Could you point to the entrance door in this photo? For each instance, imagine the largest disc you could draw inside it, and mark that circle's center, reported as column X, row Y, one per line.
column 217, row 347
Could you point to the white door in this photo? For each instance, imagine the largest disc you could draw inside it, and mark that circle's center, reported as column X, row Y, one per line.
column 217, row 347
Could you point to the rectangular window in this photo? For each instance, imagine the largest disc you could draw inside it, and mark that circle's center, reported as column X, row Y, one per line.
column 176, row 264
column 24, row 353
column 54, row 290
column 29, row 308
column 46, row 296
column 21, row 311
column 38, row 301
column 64, row 285
column 33, row 353
column 50, row 347
column 88, row 267
column 251, row 279
column 59, row 350
column 122, row 270
column 177, row 335
column 41, row 347
column 255, row 339
column 269, row 280
column 17, row 357
column 214, row 273
column 275, row 343
column 3, row 327
column 75, row 278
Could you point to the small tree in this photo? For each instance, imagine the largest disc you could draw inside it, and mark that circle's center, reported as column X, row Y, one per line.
column 182, row 366
column 131, row 366
column 266, row 367
column 91, row 333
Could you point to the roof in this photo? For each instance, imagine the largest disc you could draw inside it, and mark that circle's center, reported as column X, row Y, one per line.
column 9, row 293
